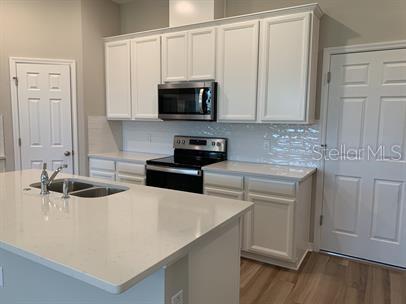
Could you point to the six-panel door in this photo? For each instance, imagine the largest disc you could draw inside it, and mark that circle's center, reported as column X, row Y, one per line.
column 364, row 204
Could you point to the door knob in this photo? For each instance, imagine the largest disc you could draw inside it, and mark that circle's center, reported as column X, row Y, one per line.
column 67, row 153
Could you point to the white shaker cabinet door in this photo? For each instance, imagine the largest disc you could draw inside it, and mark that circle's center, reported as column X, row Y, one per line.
column 174, row 56
column 237, row 71
column 268, row 228
column 284, row 68
column 202, row 54
column 118, row 80
column 145, row 77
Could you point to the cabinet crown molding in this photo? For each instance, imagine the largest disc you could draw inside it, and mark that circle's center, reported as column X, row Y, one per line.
column 312, row 7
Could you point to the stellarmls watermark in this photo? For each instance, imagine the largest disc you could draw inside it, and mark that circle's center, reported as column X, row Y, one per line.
column 342, row 152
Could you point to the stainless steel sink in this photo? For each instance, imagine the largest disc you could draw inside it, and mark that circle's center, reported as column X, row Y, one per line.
column 98, row 192
column 83, row 188
column 73, row 185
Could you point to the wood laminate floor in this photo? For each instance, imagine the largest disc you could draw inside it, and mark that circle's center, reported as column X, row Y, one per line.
column 322, row 279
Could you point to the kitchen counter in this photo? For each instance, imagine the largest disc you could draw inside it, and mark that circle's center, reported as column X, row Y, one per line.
column 112, row 242
column 267, row 170
column 139, row 157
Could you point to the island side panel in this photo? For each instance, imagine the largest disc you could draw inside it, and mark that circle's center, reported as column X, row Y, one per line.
column 214, row 268
column 29, row 282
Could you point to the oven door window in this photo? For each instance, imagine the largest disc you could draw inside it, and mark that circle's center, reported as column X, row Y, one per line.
column 175, row 181
column 196, row 101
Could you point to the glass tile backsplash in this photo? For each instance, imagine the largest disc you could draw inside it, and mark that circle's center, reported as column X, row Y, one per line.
column 267, row 143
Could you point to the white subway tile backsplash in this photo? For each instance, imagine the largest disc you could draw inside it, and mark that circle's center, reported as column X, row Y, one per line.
column 268, row 143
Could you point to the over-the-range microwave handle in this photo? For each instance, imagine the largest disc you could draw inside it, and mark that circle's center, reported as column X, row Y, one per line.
column 185, row 171
column 201, row 100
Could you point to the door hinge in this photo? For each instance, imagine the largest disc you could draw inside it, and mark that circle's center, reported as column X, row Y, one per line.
column 19, row 141
column 328, row 77
column 321, row 220
column 15, row 80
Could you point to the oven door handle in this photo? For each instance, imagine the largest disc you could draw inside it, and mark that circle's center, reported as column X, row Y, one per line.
column 185, row 171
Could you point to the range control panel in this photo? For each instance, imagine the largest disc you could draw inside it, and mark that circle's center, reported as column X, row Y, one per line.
column 200, row 143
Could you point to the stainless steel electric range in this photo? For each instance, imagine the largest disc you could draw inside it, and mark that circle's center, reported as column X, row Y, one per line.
column 183, row 171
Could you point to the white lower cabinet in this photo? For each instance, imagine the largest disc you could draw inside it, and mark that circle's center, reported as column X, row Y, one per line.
column 269, row 227
column 102, row 168
column 276, row 230
column 224, row 193
column 112, row 170
column 110, row 176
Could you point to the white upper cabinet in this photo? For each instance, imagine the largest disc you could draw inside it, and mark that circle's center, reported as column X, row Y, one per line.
column 118, row 80
column 237, row 71
column 286, row 70
column 145, row 77
column 202, row 54
column 174, row 57
column 189, row 55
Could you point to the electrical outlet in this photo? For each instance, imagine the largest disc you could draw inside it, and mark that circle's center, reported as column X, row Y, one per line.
column 1, row 277
column 177, row 298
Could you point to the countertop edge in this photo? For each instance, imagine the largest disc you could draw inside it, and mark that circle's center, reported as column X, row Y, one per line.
column 231, row 171
column 121, row 158
column 124, row 286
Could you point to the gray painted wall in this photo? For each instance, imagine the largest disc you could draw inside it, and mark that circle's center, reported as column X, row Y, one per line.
column 63, row 29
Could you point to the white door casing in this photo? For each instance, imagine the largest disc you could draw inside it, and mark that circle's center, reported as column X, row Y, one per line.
column 45, row 115
column 364, row 200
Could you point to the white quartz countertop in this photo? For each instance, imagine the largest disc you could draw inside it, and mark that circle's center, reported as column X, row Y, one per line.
column 268, row 170
column 139, row 157
column 112, row 242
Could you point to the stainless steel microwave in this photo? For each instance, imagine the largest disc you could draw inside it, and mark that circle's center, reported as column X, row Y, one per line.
column 187, row 101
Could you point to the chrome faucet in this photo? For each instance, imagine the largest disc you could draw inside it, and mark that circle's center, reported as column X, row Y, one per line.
column 46, row 181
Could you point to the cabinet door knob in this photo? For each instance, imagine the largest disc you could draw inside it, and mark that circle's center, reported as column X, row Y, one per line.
column 67, row 153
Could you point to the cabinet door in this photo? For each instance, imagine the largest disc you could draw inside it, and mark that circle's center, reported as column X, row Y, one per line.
column 237, row 71
column 284, row 68
column 131, row 179
column 202, row 54
column 145, row 77
column 174, row 57
column 118, row 80
column 110, row 176
column 225, row 193
column 269, row 227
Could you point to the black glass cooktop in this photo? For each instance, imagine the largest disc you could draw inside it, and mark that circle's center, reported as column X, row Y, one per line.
column 195, row 162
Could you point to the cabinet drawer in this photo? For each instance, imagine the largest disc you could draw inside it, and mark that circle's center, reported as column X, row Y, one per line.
column 130, row 168
column 110, row 176
column 239, row 195
column 131, row 179
column 267, row 186
column 223, row 181
column 102, row 164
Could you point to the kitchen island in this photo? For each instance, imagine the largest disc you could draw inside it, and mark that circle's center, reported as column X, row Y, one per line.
column 143, row 245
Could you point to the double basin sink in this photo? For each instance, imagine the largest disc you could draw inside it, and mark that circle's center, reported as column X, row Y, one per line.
column 82, row 188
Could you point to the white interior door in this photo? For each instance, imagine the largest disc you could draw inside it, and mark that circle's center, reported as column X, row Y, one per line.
column 45, row 121
column 364, row 199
